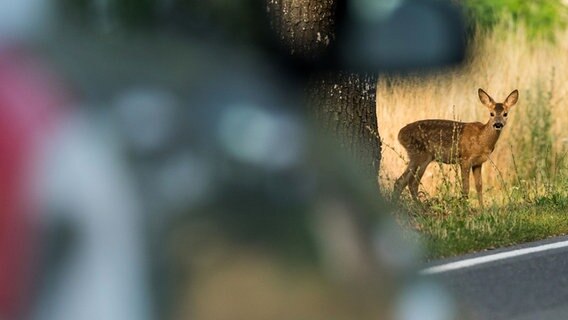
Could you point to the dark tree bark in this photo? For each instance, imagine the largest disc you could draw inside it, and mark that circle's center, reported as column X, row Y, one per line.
column 342, row 103
column 306, row 27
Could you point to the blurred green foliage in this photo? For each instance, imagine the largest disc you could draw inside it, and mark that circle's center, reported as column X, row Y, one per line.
column 236, row 18
column 137, row 13
column 542, row 18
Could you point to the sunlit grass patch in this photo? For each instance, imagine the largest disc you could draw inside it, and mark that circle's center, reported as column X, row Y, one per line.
column 492, row 228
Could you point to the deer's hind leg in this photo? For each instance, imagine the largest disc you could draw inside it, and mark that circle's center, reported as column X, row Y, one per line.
column 414, row 182
column 400, row 183
column 406, row 178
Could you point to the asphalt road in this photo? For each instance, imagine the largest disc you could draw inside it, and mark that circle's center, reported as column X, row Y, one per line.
column 531, row 285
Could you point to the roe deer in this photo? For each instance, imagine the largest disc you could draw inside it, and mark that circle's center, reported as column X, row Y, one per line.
column 467, row 144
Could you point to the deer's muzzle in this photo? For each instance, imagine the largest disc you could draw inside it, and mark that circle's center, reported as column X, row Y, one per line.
column 498, row 126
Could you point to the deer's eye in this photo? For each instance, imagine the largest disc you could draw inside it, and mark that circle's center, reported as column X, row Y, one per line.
column 505, row 114
column 492, row 114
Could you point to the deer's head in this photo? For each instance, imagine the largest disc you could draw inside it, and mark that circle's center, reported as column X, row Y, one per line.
column 498, row 111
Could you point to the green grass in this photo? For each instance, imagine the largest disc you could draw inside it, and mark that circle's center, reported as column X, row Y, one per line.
column 472, row 230
column 534, row 207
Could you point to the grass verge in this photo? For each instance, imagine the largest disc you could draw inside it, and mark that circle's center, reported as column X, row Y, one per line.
column 472, row 230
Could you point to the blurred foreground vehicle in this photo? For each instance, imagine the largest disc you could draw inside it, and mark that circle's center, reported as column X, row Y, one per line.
column 70, row 220
column 188, row 181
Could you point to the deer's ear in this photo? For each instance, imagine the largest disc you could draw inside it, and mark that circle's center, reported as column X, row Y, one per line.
column 511, row 99
column 485, row 99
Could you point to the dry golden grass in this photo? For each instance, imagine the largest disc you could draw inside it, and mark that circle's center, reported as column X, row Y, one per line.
column 499, row 63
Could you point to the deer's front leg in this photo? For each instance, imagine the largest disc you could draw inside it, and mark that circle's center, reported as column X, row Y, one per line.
column 478, row 183
column 465, row 169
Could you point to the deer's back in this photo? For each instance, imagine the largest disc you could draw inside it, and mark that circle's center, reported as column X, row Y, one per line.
column 438, row 138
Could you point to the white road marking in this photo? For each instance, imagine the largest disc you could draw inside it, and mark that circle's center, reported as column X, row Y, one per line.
column 493, row 257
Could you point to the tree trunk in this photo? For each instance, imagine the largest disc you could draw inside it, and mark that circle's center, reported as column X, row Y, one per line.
column 343, row 103
column 343, row 106
column 306, row 27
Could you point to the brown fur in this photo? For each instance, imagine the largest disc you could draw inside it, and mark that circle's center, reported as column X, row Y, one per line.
column 452, row 142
